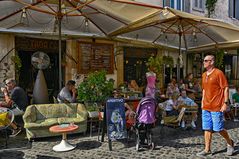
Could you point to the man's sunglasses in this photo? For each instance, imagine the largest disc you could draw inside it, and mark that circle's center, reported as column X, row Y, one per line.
column 206, row 60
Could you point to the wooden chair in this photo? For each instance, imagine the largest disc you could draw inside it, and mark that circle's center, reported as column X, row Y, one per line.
column 55, row 99
column 190, row 113
column 174, row 121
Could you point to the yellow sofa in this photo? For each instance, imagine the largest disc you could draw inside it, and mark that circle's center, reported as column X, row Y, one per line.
column 39, row 118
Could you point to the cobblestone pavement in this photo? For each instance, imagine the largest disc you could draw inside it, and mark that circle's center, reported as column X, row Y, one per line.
column 171, row 143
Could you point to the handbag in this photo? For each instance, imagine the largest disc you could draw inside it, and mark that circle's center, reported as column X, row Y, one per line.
column 16, row 110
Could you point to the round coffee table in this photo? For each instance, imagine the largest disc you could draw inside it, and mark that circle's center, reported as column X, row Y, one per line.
column 64, row 129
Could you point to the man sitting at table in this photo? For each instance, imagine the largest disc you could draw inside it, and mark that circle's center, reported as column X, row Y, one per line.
column 67, row 93
column 185, row 100
column 15, row 99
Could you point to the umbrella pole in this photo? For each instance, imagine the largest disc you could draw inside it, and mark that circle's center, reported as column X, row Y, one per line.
column 59, row 16
column 179, row 54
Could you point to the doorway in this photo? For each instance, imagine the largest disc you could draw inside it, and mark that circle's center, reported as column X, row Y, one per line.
column 28, row 73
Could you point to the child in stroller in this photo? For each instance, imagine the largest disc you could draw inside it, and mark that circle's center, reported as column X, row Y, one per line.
column 145, row 119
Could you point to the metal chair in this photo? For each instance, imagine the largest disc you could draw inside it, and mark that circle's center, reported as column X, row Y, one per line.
column 4, row 127
column 235, row 107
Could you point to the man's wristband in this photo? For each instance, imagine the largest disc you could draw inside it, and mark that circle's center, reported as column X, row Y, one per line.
column 226, row 102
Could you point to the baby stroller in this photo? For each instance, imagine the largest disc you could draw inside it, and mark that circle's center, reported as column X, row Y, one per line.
column 145, row 119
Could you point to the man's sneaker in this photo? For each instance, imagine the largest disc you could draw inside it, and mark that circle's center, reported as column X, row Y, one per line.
column 236, row 120
column 193, row 125
column 183, row 124
column 204, row 154
column 230, row 149
column 15, row 132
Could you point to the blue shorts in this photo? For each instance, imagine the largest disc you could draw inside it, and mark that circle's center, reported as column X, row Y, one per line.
column 212, row 121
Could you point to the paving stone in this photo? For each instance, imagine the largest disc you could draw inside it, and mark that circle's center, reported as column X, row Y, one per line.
column 171, row 144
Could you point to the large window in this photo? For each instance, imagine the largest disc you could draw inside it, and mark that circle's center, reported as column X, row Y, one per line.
column 230, row 65
column 183, row 5
column 199, row 5
column 234, row 9
column 168, row 3
column 93, row 57
column 135, row 64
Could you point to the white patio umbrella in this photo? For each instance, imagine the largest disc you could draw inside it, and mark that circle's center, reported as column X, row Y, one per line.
column 176, row 29
column 180, row 30
column 70, row 17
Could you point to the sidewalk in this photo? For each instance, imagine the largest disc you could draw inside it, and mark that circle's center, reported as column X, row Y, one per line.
column 171, row 143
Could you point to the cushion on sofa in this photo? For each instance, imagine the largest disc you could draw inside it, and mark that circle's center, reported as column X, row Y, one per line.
column 71, row 110
column 81, row 111
column 44, row 111
column 30, row 115
column 70, row 120
column 42, row 123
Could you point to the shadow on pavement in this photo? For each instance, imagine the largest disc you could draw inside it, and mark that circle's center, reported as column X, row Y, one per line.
column 46, row 157
column 17, row 142
column 87, row 145
column 236, row 152
column 11, row 154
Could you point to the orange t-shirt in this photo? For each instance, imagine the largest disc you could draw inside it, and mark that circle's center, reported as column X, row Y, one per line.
column 213, row 86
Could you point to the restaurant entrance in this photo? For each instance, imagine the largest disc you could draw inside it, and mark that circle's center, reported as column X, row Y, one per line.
column 135, row 60
column 26, row 47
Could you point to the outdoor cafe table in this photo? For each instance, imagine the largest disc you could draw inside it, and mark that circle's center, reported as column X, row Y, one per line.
column 64, row 129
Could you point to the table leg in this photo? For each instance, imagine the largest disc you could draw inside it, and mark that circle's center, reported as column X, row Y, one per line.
column 64, row 145
column 235, row 111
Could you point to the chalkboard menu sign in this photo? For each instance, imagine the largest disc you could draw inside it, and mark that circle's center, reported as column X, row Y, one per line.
column 115, row 119
column 95, row 57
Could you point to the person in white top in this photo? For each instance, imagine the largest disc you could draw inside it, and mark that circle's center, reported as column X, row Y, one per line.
column 67, row 93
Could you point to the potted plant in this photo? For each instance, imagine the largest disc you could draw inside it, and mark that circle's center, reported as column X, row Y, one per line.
column 95, row 90
column 158, row 63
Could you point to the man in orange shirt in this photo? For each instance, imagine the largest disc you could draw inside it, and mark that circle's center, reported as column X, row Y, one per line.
column 214, row 103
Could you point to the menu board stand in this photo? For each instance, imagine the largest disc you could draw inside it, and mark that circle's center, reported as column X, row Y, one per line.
column 114, row 121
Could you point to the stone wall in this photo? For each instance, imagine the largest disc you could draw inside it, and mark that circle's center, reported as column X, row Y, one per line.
column 7, row 50
column 221, row 12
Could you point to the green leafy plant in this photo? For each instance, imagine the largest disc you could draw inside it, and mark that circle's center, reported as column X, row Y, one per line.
column 210, row 5
column 18, row 64
column 95, row 88
column 155, row 62
column 158, row 62
column 219, row 59
column 168, row 60
column 92, row 107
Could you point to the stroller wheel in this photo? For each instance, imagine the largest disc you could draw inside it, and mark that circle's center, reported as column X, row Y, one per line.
column 137, row 141
column 152, row 146
column 137, row 147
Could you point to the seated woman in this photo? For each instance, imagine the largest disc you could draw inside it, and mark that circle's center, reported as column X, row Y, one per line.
column 172, row 88
column 185, row 100
column 169, row 107
column 133, row 86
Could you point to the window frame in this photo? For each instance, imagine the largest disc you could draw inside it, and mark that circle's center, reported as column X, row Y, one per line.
column 232, row 8
column 93, row 53
column 198, row 8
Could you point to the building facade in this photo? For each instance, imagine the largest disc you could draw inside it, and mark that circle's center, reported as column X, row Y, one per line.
column 225, row 10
